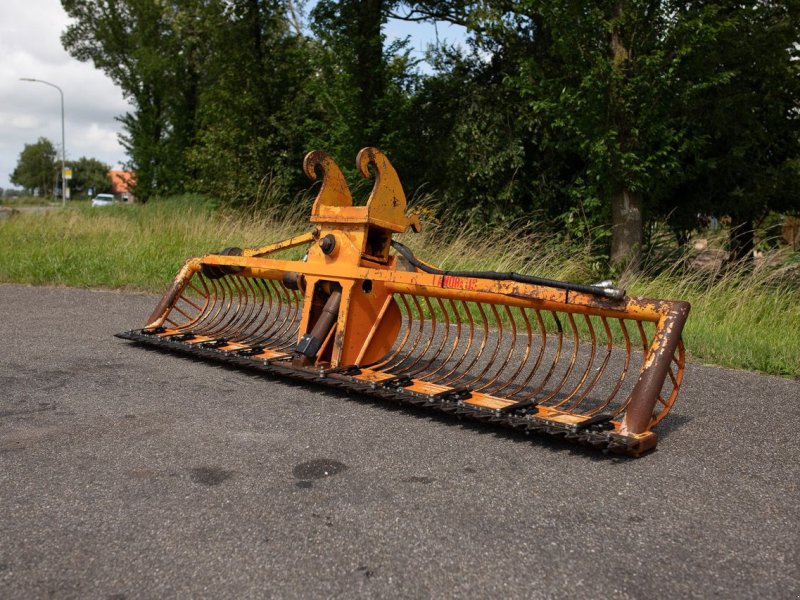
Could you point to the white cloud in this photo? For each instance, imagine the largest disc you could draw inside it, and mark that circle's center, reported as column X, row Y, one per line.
column 30, row 46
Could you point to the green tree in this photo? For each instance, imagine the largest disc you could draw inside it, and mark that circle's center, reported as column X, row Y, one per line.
column 748, row 124
column 601, row 78
column 255, row 116
column 90, row 173
column 36, row 167
column 617, row 85
column 475, row 141
column 369, row 85
column 148, row 48
column 353, row 30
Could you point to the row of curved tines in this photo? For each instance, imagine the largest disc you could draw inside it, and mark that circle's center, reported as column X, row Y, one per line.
column 572, row 362
column 246, row 310
column 519, row 354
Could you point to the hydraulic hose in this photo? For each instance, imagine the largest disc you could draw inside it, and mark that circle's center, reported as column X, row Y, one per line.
column 608, row 292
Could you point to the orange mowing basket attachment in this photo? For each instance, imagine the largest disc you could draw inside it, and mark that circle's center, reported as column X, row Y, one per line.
column 587, row 363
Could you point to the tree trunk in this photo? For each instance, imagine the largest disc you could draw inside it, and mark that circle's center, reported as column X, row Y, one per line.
column 626, row 229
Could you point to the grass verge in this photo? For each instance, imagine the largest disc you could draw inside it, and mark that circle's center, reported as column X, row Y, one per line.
column 741, row 320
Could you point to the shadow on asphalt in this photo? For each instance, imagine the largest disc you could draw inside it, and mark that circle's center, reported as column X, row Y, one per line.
column 672, row 422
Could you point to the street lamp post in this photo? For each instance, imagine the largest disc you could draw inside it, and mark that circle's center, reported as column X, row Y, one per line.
column 63, row 146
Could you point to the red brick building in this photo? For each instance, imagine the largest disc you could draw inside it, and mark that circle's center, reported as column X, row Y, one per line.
column 122, row 183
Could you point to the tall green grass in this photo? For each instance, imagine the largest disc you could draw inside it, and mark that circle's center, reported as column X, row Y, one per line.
column 743, row 319
column 126, row 246
column 16, row 201
column 740, row 319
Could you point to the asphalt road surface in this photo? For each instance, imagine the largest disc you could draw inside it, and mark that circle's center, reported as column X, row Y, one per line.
column 130, row 473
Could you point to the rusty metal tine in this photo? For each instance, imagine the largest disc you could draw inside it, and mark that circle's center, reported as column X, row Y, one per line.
column 177, row 308
column 672, row 376
column 270, row 320
column 556, row 358
column 222, row 307
column 188, row 318
column 251, row 328
column 189, row 302
column 457, row 338
column 622, row 375
column 559, row 348
column 451, row 366
column 589, row 363
column 409, row 325
column 681, row 362
column 398, row 367
column 291, row 310
column 208, row 292
column 217, row 301
column 181, row 307
column 267, row 316
column 204, row 291
column 290, row 335
column 298, row 298
column 599, row 370
column 244, row 309
column 470, row 339
column 200, row 315
column 513, row 377
column 246, row 305
column 542, row 346
column 281, row 337
column 395, row 367
column 481, row 348
column 442, row 344
column 572, row 361
column 256, row 309
column 225, row 308
column 511, row 346
column 447, row 326
column 208, row 299
column 431, row 337
column 287, row 309
column 260, row 314
column 233, row 303
column 645, row 344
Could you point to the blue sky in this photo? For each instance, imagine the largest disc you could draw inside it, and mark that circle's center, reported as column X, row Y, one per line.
column 423, row 34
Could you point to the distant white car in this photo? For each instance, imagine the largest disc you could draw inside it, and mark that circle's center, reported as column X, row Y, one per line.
column 103, row 200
